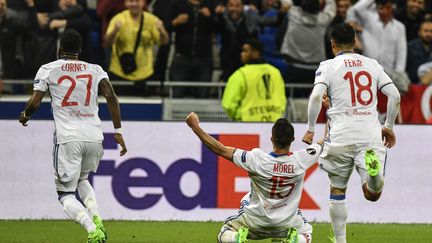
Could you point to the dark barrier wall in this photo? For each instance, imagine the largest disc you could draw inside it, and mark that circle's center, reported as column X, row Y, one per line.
column 129, row 111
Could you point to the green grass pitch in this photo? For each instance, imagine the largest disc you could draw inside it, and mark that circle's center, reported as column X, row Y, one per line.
column 178, row 231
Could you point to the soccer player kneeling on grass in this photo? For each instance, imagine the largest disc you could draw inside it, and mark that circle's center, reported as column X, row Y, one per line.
column 270, row 209
column 74, row 85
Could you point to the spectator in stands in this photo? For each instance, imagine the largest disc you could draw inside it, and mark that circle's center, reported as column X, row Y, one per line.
column 342, row 7
column 256, row 91
column 72, row 15
column 419, row 51
column 303, row 43
column 193, row 24
column 130, row 28
column 235, row 25
column 106, row 10
column 425, row 73
column 411, row 16
column 161, row 9
column 383, row 37
column 40, row 44
column 12, row 25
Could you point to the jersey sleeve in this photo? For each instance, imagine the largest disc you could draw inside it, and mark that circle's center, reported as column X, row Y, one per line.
column 41, row 79
column 322, row 74
column 101, row 74
column 245, row 159
column 383, row 78
column 309, row 156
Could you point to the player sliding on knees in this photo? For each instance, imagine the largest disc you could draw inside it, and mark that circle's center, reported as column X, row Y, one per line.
column 270, row 209
column 355, row 137
column 74, row 86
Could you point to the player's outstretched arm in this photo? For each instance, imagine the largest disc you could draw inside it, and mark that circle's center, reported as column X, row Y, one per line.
column 393, row 103
column 32, row 105
column 107, row 91
column 214, row 145
column 314, row 108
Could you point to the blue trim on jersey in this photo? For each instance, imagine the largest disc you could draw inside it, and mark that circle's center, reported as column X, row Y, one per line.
column 231, row 218
column 385, row 160
column 301, row 215
column 276, row 155
column 343, row 52
column 242, row 205
column 65, row 194
column 384, row 86
column 337, row 197
column 55, row 155
column 243, row 157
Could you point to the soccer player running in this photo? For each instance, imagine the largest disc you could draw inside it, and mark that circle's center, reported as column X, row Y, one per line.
column 270, row 209
column 356, row 139
column 73, row 87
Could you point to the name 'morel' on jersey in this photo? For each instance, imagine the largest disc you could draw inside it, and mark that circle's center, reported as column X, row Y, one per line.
column 276, row 184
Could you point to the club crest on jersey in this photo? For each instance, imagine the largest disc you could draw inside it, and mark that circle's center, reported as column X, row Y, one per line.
column 311, row 151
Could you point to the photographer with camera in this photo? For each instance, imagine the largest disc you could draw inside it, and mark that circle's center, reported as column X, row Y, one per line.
column 132, row 35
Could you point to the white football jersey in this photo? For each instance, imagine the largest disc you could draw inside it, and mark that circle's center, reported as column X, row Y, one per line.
column 73, row 87
column 276, row 184
column 352, row 82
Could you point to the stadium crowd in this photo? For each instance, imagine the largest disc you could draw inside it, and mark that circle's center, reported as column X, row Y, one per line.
column 207, row 35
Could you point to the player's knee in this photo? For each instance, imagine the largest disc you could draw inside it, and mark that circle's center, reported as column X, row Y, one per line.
column 337, row 191
column 62, row 194
column 304, row 238
column 372, row 196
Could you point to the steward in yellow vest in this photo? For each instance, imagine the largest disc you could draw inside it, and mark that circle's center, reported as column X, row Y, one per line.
column 256, row 91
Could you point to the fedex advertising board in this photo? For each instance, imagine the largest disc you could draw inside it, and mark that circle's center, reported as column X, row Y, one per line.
column 169, row 174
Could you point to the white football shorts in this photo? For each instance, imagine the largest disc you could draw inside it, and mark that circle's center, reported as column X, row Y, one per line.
column 74, row 161
column 339, row 161
column 234, row 223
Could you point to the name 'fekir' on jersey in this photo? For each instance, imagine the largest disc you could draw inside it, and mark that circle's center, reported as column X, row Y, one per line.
column 73, row 86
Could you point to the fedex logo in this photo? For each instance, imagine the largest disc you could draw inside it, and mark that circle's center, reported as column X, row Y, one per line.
column 217, row 178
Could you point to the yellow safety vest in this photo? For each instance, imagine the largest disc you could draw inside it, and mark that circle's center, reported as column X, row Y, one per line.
column 255, row 92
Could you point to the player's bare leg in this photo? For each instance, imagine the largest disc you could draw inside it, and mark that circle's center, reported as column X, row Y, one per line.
column 373, row 186
column 338, row 213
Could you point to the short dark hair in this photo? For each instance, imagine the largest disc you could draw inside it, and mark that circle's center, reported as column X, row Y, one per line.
column 256, row 45
column 282, row 133
column 383, row 2
column 426, row 21
column 70, row 41
column 343, row 34
column 310, row 6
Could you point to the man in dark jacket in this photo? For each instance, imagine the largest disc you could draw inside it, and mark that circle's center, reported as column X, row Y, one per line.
column 192, row 22
column 12, row 25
